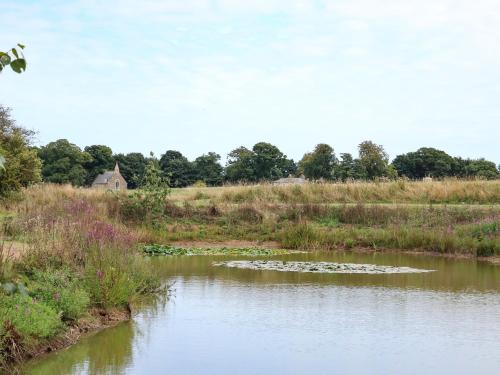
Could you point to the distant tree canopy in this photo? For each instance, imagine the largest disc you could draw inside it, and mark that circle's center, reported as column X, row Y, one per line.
column 428, row 161
column 64, row 162
column 373, row 160
column 425, row 162
column 20, row 165
column 476, row 168
column 207, row 168
column 265, row 162
column 101, row 159
column 132, row 167
column 319, row 163
column 177, row 169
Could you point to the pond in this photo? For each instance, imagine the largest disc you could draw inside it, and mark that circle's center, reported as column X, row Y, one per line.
column 230, row 320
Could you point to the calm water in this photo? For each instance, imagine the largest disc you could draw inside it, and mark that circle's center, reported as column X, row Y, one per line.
column 233, row 321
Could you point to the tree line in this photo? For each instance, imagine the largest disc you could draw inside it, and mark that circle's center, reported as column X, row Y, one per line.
column 64, row 162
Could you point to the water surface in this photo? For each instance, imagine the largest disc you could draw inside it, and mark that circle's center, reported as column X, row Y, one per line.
column 239, row 321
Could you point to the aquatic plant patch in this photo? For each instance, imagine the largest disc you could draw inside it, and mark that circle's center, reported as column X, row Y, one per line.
column 317, row 267
column 249, row 251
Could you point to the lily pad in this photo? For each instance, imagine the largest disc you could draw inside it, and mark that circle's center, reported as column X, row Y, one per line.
column 317, row 267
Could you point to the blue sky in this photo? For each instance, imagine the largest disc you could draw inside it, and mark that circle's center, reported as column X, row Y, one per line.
column 211, row 75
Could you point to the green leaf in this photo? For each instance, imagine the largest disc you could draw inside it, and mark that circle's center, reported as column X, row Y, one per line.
column 18, row 65
column 5, row 59
column 20, row 45
column 14, row 51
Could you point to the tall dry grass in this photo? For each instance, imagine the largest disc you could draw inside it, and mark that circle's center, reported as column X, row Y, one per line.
column 450, row 191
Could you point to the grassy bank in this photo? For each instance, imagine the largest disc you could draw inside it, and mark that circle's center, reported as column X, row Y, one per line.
column 449, row 217
column 66, row 266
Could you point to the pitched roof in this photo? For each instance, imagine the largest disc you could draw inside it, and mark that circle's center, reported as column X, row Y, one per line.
column 103, row 178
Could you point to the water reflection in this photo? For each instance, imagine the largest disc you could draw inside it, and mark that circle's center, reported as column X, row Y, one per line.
column 451, row 274
column 226, row 321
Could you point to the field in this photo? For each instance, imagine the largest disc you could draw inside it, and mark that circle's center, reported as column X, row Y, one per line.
column 452, row 217
column 72, row 258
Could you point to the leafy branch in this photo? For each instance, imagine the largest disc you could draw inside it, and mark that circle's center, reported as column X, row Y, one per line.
column 15, row 58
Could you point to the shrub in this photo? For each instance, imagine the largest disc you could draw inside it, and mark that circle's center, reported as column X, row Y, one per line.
column 31, row 319
column 59, row 289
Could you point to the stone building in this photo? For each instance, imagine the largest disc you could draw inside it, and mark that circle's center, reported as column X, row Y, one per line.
column 290, row 181
column 112, row 180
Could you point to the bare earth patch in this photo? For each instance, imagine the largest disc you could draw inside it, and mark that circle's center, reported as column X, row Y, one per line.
column 229, row 244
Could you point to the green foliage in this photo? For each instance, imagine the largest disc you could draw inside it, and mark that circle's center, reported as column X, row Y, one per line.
column 240, row 165
column 64, row 162
column 132, row 167
column 177, row 168
column 265, row 162
column 101, row 160
column 208, row 169
column 228, row 251
column 13, row 58
column 148, row 203
column 113, row 280
column 319, row 164
column 425, row 162
column 60, row 289
column 20, row 163
column 31, row 319
column 373, row 159
column 270, row 163
column 479, row 168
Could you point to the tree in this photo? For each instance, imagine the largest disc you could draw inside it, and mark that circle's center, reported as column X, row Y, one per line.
column 101, row 160
column 270, row 163
column 346, row 168
column 425, row 162
column 208, row 169
column 177, row 168
column 18, row 64
column 483, row 169
column 132, row 167
column 240, row 165
column 63, row 162
column 319, row 163
column 14, row 58
column 373, row 159
column 20, row 165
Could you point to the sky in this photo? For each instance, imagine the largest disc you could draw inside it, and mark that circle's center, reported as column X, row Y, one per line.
column 211, row 75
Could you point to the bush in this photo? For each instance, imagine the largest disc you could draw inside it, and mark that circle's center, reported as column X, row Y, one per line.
column 30, row 318
column 59, row 290
column 113, row 278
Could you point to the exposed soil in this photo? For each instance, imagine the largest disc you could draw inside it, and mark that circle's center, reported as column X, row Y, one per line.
column 230, row 243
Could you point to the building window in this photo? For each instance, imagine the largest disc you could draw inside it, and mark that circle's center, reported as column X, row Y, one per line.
column 117, row 184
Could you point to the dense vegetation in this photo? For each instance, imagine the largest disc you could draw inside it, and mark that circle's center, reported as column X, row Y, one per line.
column 66, row 266
column 66, row 163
